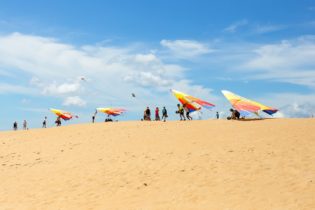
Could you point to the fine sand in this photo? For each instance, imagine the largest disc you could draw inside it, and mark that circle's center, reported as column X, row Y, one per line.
column 213, row 165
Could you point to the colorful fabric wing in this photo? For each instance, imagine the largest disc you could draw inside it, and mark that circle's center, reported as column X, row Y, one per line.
column 246, row 106
column 192, row 103
column 111, row 111
column 63, row 114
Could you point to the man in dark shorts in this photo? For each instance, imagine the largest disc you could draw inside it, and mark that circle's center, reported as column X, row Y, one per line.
column 181, row 112
column 15, row 126
column 164, row 114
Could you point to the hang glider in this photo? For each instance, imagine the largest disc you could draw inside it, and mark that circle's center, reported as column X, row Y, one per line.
column 63, row 114
column 111, row 111
column 246, row 106
column 192, row 103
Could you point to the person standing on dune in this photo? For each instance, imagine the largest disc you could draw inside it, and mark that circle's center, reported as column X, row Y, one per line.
column 15, row 126
column 24, row 125
column 164, row 114
column 44, row 123
column 147, row 114
column 157, row 114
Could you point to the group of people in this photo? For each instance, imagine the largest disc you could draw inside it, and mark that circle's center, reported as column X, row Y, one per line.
column 182, row 110
column 25, row 125
column 15, row 125
column 147, row 114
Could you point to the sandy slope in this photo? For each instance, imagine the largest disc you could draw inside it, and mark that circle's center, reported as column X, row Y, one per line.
column 267, row 164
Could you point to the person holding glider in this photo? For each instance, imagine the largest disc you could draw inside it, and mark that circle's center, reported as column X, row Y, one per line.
column 192, row 103
column 180, row 111
column 58, row 121
column 235, row 115
column 246, row 106
column 164, row 114
column 187, row 112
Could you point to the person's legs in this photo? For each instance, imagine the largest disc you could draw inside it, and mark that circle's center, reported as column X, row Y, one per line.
column 188, row 116
column 183, row 116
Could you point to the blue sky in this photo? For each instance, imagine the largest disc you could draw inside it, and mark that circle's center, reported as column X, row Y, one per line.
column 263, row 50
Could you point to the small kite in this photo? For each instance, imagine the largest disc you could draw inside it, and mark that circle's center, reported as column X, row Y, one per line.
column 192, row 103
column 133, row 95
column 63, row 114
column 111, row 111
column 246, row 106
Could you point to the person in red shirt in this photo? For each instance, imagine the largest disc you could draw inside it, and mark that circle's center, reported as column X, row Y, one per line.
column 157, row 114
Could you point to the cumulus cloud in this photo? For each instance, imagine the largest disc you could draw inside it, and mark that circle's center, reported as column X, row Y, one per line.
column 64, row 88
column 74, row 101
column 292, row 104
column 148, row 79
column 289, row 61
column 54, row 69
column 146, row 58
column 298, row 110
column 186, row 48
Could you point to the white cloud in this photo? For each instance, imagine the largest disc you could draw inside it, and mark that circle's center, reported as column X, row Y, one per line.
column 146, row 58
column 6, row 88
column 53, row 69
column 64, row 88
column 262, row 29
column 74, row 101
column 235, row 26
column 148, row 79
column 290, row 61
column 186, row 48
column 293, row 104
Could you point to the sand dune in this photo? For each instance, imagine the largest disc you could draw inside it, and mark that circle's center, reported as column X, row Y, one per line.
column 221, row 165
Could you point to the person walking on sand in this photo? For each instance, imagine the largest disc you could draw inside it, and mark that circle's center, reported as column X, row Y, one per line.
column 181, row 112
column 93, row 118
column 45, row 123
column 187, row 112
column 217, row 115
column 24, row 125
column 164, row 114
column 157, row 114
column 15, row 126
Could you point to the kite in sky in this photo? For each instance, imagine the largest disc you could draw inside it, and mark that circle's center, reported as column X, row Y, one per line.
column 63, row 114
column 246, row 106
column 192, row 103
